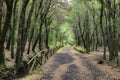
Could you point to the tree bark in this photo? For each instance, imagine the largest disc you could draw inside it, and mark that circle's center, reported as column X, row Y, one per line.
column 101, row 27
column 6, row 26
column 19, row 52
column 13, row 28
column 30, row 40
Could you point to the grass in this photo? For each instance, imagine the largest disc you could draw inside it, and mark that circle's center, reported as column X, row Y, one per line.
column 33, row 75
column 101, row 61
column 7, row 59
column 115, row 65
column 6, row 73
column 79, row 49
column 59, row 50
column 36, row 71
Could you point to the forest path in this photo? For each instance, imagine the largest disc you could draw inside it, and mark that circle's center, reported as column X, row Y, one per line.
column 69, row 64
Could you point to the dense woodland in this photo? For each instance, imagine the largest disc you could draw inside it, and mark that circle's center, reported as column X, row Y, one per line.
column 97, row 25
column 33, row 30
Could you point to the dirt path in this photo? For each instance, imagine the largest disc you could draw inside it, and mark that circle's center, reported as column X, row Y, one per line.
column 71, row 65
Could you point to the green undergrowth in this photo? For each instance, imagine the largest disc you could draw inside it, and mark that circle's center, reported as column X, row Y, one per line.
column 101, row 61
column 60, row 49
column 6, row 73
column 36, row 71
column 115, row 66
column 79, row 49
column 7, row 59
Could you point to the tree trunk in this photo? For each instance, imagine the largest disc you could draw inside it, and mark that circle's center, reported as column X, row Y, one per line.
column 5, row 29
column 2, row 56
column 101, row 27
column 27, row 28
column 13, row 29
column 30, row 40
column 19, row 51
column 35, row 43
column 47, row 37
column 9, row 39
column 1, row 4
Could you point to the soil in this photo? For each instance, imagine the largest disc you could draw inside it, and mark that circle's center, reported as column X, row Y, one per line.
column 69, row 64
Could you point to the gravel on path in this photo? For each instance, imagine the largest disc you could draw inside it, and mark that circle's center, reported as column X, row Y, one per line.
column 68, row 64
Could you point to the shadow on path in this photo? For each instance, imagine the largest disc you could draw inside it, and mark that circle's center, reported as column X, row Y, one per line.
column 72, row 73
column 58, row 60
column 63, row 58
column 96, row 73
column 70, row 65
